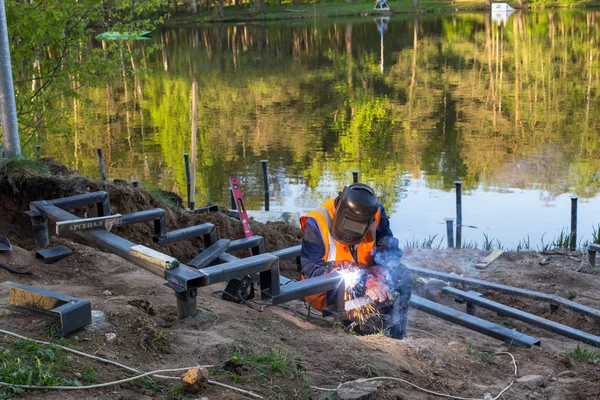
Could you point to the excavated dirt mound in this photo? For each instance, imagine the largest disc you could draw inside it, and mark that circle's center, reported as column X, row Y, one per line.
column 18, row 190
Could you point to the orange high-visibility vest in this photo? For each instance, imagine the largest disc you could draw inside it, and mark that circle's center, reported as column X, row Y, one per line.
column 336, row 252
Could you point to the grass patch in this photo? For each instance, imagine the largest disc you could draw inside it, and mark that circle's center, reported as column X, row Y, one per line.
column 596, row 234
column 428, row 243
column 163, row 197
column 564, row 240
column 23, row 166
column 276, row 368
column 24, row 362
column 581, row 353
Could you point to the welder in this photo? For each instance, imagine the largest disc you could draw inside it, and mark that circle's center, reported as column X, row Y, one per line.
column 353, row 231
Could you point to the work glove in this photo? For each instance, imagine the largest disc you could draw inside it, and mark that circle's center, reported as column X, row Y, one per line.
column 377, row 290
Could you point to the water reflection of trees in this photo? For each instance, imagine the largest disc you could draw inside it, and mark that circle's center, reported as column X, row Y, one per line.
column 461, row 97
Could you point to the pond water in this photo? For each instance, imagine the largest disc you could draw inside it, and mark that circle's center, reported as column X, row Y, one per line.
column 512, row 108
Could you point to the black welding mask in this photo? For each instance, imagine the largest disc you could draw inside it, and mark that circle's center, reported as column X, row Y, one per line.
column 354, row 212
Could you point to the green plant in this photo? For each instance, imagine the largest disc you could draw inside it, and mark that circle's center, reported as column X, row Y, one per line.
column 596, row 234
column 524, row 244
column 89, row 375
column 22, row 165
column 487, row 243
column 162, row 197
column 581, row 353
column 564, row 240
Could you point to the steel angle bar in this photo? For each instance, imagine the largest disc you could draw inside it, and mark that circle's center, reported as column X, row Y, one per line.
column 185, row 277
column 300, row 289
column 158, row 215
column 478, row 283
column 488, row 328
column 287, row 253
column 85, row 224
column 210, row 254
column 520, row 315
column 185, row 233
column 54, row 254
column 238, row 268
column 245, row 243
column 73, row 313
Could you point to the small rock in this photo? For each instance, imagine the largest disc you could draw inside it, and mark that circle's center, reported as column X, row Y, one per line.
column 148, row 392
column 532, row 381
column 110, row 337
column 107, row 293
column 77, row 374
column 194, row 380
column 356, row 390
column 545, row 261
column 567, row 374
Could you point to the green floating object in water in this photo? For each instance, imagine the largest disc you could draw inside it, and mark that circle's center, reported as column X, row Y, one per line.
column 145, row 35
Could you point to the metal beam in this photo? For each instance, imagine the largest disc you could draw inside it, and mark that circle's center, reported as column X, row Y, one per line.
column 246, row 243
column 300, row 289
column 210, row 254
column 99, row 198
column 287, row 253
column 478, row 283
column 509, row 336
column 239, row 268
column 184, row 276
column 520, row 315
column 185, row 233
column 158, row 215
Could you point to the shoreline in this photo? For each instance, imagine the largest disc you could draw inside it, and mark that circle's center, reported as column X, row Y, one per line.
column 342, row 10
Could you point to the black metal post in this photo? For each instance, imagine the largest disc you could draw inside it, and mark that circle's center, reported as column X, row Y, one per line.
column 186, row 160
column 38, row 151
column 233, row 206
column 102, row 169
column 355, row 176
column 458, row 213
column 39, row 224
column 450, row 232
column 186, row 303
column 135, row 183
column 266, row 182
column 573, row 241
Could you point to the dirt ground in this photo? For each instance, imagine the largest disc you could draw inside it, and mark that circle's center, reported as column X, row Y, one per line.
column 437, row 355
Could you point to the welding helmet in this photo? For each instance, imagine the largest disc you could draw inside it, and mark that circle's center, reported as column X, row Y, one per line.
column 355, row 210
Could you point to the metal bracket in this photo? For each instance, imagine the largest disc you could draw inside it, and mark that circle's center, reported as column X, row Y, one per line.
column 73, row 313
column 85, row 224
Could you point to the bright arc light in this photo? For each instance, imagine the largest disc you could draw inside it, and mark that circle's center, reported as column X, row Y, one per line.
column 351, row 277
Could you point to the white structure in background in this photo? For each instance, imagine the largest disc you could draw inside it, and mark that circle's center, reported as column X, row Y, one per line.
column 381, row 5
column 501, row 12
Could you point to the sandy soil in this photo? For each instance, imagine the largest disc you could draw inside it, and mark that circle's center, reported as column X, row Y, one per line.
column 437, row 355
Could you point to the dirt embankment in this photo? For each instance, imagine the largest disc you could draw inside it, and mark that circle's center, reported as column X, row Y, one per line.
column 290, row 352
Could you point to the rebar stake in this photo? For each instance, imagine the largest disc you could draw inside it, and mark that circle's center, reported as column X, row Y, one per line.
column 266, row 182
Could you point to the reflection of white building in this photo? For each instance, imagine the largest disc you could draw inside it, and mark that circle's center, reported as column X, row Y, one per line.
column 501, row 12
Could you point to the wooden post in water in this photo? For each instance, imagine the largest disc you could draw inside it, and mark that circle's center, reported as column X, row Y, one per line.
column 573, row 241
column 194, row 129
column 458, row 213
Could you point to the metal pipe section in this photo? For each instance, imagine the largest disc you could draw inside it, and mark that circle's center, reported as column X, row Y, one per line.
column 266, row 182
column 185, row 233
column 186, row 161
column 100, row 198
column 38, row 151
column 102, row 168
column 488, row 328
column 8, row 108
column 450, row 232
column 287, row 253
column 158, row 215
column 232, row 197
column 591, row 254
column 355, row 176
column 506, row 311
column 135, row 183
column 477, row 283
column 307, row 287
column 573, row 241
column 246, row 243
column 458, row 214
column 210, row 254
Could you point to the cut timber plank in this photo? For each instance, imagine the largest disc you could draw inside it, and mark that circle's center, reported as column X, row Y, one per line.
column 489, row 259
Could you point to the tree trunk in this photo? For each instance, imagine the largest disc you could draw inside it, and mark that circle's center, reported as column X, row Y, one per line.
column 220, row 9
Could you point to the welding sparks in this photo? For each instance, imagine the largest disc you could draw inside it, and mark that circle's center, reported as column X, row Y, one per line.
column 351, row 276
column 354, row 281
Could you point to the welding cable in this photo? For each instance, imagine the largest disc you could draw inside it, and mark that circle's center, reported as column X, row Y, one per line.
column 104, row 360
column 380, row 378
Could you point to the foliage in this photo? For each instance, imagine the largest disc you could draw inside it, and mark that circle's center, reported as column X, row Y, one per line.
column 54, row 56
column 581, row 353
column 22, row 166
column 24, row 362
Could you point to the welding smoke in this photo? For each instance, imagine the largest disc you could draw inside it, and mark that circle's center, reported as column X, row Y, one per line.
column 399, row 281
